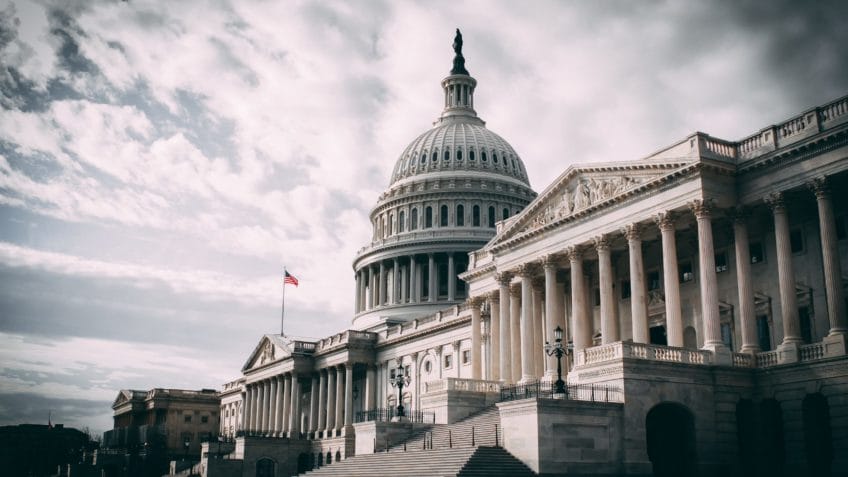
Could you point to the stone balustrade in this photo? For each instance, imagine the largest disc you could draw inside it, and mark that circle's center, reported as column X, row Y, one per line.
column 744, row 360
column 600, row 354
column 812, row 352
column 767, row 358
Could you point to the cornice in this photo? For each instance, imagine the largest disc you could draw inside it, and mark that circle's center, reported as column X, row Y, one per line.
column 796, row 152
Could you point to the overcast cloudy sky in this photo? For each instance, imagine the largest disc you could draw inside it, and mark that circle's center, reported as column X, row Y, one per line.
column 161, row 161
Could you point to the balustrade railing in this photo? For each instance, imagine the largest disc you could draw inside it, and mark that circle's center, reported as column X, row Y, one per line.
column 744, row 360
column 574, row 392
column 768, row 358
column 600, row 354
column 460, row 384
column 812, row 352
column 387, row 414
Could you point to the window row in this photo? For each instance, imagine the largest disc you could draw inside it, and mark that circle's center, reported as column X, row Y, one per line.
column 392, row 223
column 500, row 160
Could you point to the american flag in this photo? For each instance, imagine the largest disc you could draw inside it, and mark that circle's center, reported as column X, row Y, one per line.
column 289, row 279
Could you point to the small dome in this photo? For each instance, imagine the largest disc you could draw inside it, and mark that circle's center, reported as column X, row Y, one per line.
column 459, row 145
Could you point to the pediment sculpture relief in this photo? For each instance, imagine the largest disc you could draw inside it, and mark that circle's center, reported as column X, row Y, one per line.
column 267, row 353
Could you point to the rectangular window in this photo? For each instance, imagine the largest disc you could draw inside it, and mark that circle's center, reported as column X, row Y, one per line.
column 763, row 333
column 466, row 356
column 727, row 335
column 796, row 240
column 597, row 295
column 448, row 361
column 204, row 419
column 625, row 289
column 721, row 262
column 757, row 252
column 686, row 273
column 804, row 321
column 187, row 418
column 653, row 280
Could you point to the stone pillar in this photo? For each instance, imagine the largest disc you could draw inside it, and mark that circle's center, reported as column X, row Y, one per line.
column 395, row 295
column 609, row 319
column 671, row 282
column 331, row 402
column 413, row 280
column 549, row 265
column 743, row 283
column 263, row 407
column 322, row 401
column 538, row 349
column 340, row 397
column 476, row 364
column 247, row 421
column 383, row 297
column 709, row 282
column 527, row 333
column 581, row 324
column 313, row 404
column 294, row 415
column 505, row 369
column 356, row 305
column 370, row 388
column 785, row 274
column 286, row 402
column 272, row 408
column 495, row 335
column 451, row 277
column 348, row 396
column 404, row 284
column 830, row 261
column 638, row 290
column 515, row 331
column 363, row 291
column 433, row 285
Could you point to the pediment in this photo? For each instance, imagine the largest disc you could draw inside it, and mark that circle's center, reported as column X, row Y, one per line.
column 125, row 396
column 269, row 349
column 587, row 187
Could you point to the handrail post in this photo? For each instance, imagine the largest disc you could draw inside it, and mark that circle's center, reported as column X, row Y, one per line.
column 473, row 444
column 450, row 439
column 496, row 435
column 387, row 443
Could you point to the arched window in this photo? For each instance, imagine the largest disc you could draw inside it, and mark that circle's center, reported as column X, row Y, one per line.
column 413, row 220
column 495, row 158
column 491, row 217
column 391, row 224
column 435, row 156
column 459, row 154
column 401, row 221
column 460, row 215
column 423, row 158
column 505, row 213
column 471, row 155
column 475, row 216
column 483, row 156
column 428, row 217
column 447, row 156
column 443, row 216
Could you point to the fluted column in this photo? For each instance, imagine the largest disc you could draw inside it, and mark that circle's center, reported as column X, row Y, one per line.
column 263, row 407
column 370, row 388
column 609, row 320
column 272, row 408
column 348, row 400
column 451, row 277
column 413, row 280
column 581, row 324
column 638, row 291
column 538, row 349
column 830, row 259
column 709, row 282
column 331, row 402
column 785, row 270
column 526, row 326
column 549, row 265
column 340, row 397
column 671, row 283
column 432, row 275
column 383, row 285
column 357, row 297
column 287, row 385
column 495, row 335
column 476, row 365
column 294, row 415
column 363, row 289
column 515, row 331
column 248, row 409
column 404, row 284
column 396, row 281
column 313, row 404
column 506, row 336
column 322, row 401
column 743, row 282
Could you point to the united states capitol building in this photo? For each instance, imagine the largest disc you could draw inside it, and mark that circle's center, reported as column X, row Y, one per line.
column 700, row 293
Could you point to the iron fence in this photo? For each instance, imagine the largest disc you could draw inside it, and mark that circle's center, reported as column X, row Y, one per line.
column 575, row 392
column 387, row 414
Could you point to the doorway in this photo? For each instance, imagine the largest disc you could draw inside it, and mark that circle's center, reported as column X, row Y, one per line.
column 671, row 440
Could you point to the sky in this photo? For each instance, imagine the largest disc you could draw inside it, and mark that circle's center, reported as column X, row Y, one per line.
column 161, row 162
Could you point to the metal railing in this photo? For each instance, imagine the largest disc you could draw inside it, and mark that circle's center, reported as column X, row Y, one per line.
column 387, row 414
column 574, row 392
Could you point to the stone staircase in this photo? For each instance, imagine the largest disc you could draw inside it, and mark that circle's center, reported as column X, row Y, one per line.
column 459, row 462
column 477, row 429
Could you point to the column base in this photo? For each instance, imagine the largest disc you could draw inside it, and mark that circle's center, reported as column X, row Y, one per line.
column 527, row 378
column 722, row 356
column 835, row 344
column 788, row 352
column 753, row 349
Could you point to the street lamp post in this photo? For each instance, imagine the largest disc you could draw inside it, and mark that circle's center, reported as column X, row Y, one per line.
column 559, row 350
column 399, row 380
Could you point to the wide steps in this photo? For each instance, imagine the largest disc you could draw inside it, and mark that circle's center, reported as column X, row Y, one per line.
column 464, row 461
column 475, row 430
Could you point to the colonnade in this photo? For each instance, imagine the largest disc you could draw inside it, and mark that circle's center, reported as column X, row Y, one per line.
column 272, row 405
column 516, row 342
column 399, row 280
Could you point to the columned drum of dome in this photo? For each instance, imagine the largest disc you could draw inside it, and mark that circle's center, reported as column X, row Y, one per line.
column 449, row 188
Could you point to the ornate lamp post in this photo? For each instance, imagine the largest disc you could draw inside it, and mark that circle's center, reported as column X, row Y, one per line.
column 399, row 380
column 559, row 350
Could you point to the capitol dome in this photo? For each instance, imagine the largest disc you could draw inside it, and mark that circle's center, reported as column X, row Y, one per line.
column 448, row 190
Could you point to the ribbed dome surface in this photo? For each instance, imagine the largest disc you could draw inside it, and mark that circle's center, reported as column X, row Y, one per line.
column 459, row 146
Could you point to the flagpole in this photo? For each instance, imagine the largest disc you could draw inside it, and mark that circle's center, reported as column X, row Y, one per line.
column 283, row 316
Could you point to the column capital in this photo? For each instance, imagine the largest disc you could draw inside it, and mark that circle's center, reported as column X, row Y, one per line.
column 601, row 243
column 702, row 208
column 665, row 220
column 575, row 253
column 504, row 278
column 538, row 283
column 632, row 232
column 776, row 201
column 739, row 214
column 550, row 261
column 820, row 187
column 525, row 270
column 494, row 296
column 515, row 291
column 475, row 301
